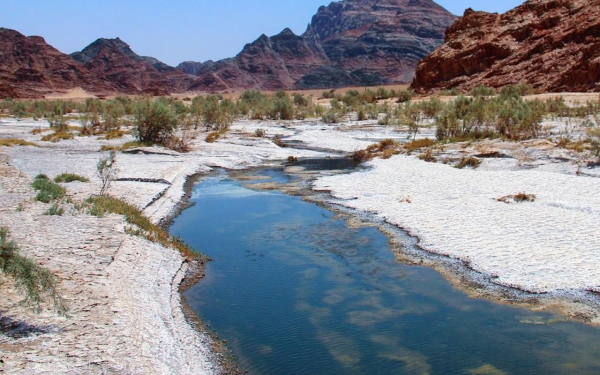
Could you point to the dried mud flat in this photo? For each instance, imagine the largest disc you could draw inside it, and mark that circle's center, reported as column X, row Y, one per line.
column 126, row 315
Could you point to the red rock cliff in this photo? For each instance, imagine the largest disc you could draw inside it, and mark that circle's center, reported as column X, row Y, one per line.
column 552, row 45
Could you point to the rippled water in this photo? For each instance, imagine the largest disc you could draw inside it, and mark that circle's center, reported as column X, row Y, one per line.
column 294, row 290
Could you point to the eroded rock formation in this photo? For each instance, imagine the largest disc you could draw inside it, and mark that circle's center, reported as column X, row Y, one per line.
column 351, row 42
column 31, row 68
column 552, row 45
column 113, row 60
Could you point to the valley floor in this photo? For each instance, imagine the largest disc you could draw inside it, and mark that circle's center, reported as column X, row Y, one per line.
column 122, row 290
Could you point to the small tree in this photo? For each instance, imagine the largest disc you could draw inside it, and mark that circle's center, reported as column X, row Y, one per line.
column 154, row 122
column 106, row 171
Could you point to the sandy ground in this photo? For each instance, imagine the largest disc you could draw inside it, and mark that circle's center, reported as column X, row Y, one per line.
column 125, row 310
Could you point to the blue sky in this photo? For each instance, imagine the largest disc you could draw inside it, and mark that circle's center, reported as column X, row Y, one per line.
column 177, row 30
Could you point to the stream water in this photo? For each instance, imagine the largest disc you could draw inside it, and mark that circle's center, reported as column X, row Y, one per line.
column 294, row 289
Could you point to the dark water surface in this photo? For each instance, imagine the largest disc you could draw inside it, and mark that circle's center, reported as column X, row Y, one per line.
column 294, row 290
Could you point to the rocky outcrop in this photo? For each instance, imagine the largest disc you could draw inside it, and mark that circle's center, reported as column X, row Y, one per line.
column 31, row 68
column 352, row 42
column 552, row 45
column 114, row 61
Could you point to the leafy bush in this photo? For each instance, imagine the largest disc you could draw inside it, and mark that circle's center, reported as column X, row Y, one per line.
column 404, row 96
column 70, row 177
column 47, row 190
column 154, row 122
column 482, row 90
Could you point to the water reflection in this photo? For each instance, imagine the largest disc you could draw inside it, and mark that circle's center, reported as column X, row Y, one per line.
column 294, row 290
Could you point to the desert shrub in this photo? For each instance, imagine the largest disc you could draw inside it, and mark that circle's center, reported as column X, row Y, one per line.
column 106, row 170
column 517, row 198
column 102, row 205
column 418, row 143
column 514, row 91
column 214, row 136
column 36, row 282
column 70, row 177
column 432, row 107
column 594, row 140
column 154, row 122
column 470, row 161
column 57, row 136
column 278, row 141
column 300, row 100
column 282, row 107
column 47, row 190
column 361, row 115
column 482, row 90
column 428, row 156
column 114, row 134
column 360, row 156
column 450, row 92
column 328, row 94
column 332, row 116
column 384, row 149
column 260, row 133
column 404, row 96
column 55, row 209
column 9, row 142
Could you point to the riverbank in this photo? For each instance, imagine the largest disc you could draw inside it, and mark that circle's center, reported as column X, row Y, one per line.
column 126, row 313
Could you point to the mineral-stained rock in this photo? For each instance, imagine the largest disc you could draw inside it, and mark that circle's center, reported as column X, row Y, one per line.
column 552, row 45
column 114, row 61
column 351, row 42
column 30, row 68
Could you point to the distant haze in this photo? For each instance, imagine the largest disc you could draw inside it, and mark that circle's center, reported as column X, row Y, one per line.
column 176, row 31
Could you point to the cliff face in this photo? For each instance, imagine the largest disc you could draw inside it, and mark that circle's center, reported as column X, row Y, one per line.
column 113, row 60
column 352, row 42
column 552, row 45
column 31, row 68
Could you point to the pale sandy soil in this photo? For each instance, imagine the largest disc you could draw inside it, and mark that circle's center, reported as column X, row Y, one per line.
column 125, row 312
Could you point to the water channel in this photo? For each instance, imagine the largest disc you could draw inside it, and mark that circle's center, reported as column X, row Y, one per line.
column 294, row 289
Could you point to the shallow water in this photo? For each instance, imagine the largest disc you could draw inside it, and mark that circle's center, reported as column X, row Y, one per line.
column 294, row 290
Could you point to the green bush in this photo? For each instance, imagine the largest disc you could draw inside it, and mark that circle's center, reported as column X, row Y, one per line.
column 47, row 190
column 69, row 177
column 154, row 122
column 482, row 90
column 55, row 209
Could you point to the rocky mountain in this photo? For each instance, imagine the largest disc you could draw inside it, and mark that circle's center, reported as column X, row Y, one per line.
column 351, row 42
column 113, row 60
column 31, row 68
column 552, row 45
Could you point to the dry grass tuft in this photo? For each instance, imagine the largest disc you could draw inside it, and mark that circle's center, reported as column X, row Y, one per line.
column 57, row 136
column 418, row 143
column 9, row 142
column 470, row 161
column 517, row 198
column 142, row 226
